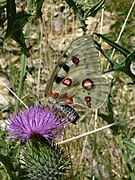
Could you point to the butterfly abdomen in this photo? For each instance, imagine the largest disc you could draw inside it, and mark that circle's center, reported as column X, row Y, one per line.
column 70, row 113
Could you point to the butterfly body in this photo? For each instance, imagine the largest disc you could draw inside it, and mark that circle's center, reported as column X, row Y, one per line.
column 77, row 79
column 68, row 112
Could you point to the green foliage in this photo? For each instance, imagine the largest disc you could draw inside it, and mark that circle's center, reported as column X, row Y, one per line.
column 110, row 117
column 128, row 148
column 2, row 10
column 16, row 22
column 38, row 12
column 10, row 158
column 8, row 165
column 125, row 65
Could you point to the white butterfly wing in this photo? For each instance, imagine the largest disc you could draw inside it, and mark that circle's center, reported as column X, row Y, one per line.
column 77, row 79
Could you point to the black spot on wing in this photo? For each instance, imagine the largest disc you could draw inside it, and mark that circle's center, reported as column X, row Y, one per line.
column 58, row 79
column 64, row 55
column 66, row 67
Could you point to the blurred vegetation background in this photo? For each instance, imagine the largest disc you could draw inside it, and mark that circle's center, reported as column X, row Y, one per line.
column 30, row 49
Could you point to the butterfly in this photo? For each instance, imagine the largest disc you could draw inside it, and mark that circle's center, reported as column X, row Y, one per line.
column 77, row 80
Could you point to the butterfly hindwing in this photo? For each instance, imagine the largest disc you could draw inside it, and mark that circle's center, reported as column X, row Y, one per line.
column 77, row 79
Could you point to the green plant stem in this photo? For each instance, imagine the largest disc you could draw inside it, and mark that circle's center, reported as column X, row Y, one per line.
column 23, row 58
column 21, row 79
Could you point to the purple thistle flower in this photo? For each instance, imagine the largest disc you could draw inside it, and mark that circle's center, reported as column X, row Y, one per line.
column 35, row 121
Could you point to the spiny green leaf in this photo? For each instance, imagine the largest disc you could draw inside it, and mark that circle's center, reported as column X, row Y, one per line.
column 110, row 117
column 2, row 5
column 38, row 12
column 11, row 9
column 15, row 24
column 121, row 49
column 124, row 66
column 72, row 5
column 19, row 22
column 130, row 145
column 98, row 46
column 93, row 11
column 79, row 12
column 11, row 12
column 16, row 30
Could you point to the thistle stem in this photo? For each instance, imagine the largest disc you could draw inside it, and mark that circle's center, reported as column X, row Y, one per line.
column 21, row 79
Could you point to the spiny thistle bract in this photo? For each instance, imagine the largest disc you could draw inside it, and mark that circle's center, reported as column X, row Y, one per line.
column 45, row 161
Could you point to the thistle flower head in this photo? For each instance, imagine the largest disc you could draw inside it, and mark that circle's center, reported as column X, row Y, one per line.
column 35, row 121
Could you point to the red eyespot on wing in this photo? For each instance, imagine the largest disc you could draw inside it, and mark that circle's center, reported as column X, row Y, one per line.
column 87, row 84
column 67, row 82
column 88, row 101
column 88, row 98
column 89, row 104
column 69, row 100
column 63, row 95
column 54, row 95
column 75, row 60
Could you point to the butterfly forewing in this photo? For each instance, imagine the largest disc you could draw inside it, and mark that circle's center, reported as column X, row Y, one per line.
column 82, row 46
column 77, row 79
